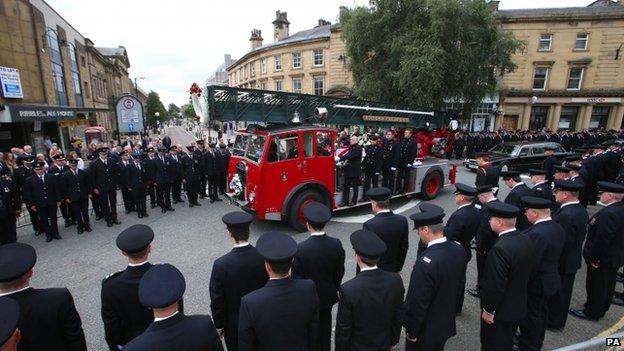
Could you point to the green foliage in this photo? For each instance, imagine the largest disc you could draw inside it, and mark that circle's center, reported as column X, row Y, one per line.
column 188, row 111
column 423, row 52
column 173, row 110
column 153, row 105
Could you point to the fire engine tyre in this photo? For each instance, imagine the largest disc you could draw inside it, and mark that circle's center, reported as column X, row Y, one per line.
column 431, row 185
column 295, row 213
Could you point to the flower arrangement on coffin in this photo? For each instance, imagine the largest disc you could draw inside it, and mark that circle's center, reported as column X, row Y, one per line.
column 236, row 185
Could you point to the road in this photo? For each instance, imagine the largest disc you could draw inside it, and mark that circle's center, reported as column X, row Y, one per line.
column 192, row 238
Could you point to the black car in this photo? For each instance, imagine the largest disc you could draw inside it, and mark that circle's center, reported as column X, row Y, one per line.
column 521, row 155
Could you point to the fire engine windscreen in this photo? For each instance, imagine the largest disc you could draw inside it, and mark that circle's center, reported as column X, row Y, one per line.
column 249, row 146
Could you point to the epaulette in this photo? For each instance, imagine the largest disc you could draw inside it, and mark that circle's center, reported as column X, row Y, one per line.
column 108, row 277
column 426, row 259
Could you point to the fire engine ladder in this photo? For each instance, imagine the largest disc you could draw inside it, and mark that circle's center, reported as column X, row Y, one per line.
column 275, row 107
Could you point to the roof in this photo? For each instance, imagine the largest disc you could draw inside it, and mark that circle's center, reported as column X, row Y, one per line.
column 273, row 129
column 595, row 10
column 316, row 33
column 118, row 51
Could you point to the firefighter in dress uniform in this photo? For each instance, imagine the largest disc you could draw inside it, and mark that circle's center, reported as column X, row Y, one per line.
column 10, row 335
column 389, row 163
column 487, row 174
column 10, row 209
column 23, row 172
column 150, row 173
column 124, row 178
column 137, row 184
column 372, row 163
column 76, row 190
column 191, row 174
column 104, row 174
column 407, row 151
column 59, row 168
column 352, row 172
column 518, row 190
column 42, row 195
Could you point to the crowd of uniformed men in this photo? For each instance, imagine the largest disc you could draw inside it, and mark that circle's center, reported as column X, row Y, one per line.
column 159, row 171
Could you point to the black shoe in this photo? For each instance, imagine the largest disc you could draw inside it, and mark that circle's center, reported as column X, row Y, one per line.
column 170, row 209
column 140, row 215
column 581, row 314
column 352, row 203
column 197, row 204
column 57, row 237
column 153, row 205
column 163, row 210
column 97, row 218
column 473, row 292
column 116, row 221
column 212, row 201
column 618, row 294
column 88, row 228
column 191, row 205
column 68, row 224
column 109, row 224
column 145, row 214
column 48, row 239
column 342, row 204
column 618, row 301
column 218, row 199
column 180, row 200
column 37, row 232
column 80, row 230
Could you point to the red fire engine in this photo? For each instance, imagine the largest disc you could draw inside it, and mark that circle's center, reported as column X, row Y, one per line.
column 284, row 159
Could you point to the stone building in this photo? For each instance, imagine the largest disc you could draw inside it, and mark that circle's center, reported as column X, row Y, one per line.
column 311, row 61
column 571, row 73
column 220, row 76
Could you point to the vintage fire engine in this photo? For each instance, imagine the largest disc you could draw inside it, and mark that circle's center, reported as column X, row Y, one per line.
column 284, row 158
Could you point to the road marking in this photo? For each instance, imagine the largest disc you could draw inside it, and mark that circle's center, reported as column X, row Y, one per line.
column 366, row 217
column 611, row 330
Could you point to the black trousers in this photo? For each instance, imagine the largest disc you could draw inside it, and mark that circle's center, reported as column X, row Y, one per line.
column 192, row 190
column 176, row 189
column 203, row 181
column 403, row 179
column 163, row 194
column 387, row 180
column 600, row 285
column 462, row 288
column 533, row 326
column 80, row 212
column 8, row 229
column 95, row 202
column 66, row 211
column 47, row 216
column 126, row 195
column 559, row 304
column 151, row 189
column 421, row 346
column 213, row 186
column 370, row 179
column 34, row 219
column 139, row 198
column 222, row 183
column 325, row 326
column 108, row 205
column 480, row 269
column 350, row 182
column 497, row 336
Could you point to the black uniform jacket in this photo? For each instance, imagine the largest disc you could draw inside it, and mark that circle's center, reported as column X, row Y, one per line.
column 574, row 220
column 370, row 311
column 162, row 174
column 281, row 316
column 487, row 175
column 9, row 198
column 321, row 258
column 20, row 175
column 353, row 159
column 515, row 198
column 548, row 238
column 44, row 193
column 192, row 167
column 49, row 320
column 212, row 158
column 605, row 237
column 485, row 237
column 76, row 187
column 407, row 151
column 138, row 177
column 462, row 227
column 123, row 315
column 123, row 169
column 180, row 332
column 104, row 177
column 373, row 160
column 234, row 275
column 394, row 231
column 430, row 301
column 507, row 270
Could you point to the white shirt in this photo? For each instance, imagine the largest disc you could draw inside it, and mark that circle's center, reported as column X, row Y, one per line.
column 464, row 205
column 317, row 233
column 15, row 291
column 383, row 211
column 163, row 318
column 241, row 245
column 517, row 184
column 137, row 264
column 368, row 268
column 506, row 231
column 542, row 220
column 569, row 203
column 437, row 241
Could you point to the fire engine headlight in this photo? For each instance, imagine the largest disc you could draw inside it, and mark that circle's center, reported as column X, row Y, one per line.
column 252, row 196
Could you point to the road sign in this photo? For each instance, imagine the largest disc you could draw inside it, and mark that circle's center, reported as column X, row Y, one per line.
column 129, row 114
column 130, row 127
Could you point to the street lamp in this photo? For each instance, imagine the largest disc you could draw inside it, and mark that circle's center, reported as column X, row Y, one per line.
column 157, row 114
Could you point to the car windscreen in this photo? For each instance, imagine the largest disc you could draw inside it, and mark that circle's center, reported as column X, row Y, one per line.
column 256, row 147
column 505, row 149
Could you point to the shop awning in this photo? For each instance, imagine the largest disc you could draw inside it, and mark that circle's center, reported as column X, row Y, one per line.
column 47, row 113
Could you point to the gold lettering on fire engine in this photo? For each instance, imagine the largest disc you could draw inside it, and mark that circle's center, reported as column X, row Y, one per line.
column 369, row 118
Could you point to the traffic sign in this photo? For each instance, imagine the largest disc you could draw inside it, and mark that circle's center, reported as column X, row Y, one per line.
column 129, row 114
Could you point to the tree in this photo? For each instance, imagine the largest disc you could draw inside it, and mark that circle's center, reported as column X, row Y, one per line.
column 188, row 111
column 153, row 105
column 173, row 110
column 426, row 52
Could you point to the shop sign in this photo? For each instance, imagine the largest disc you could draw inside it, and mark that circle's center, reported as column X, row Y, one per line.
column 369, row 118
column 31, row 113
column 11, row 83
column 129, row 114
column 597, row 100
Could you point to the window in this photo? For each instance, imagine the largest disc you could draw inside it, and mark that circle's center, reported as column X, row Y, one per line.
column 296, row 85
column 282, row 148
column 599, row 117
column 263, row 85
column 318, row 57
column 545, row 42
column 296, row 57
column 83, row 61
column 581, row 41
column 540, row 78
column 86, row 89
column 252, row 69
column 308, row 145
column 576, row 78
column 59, row 84
column 278, row 62
column 318, row 86
column 539, row 115
column 324, row 144
column 263, row 66
column 75, row 74
column 278, row 85
column 567, row 119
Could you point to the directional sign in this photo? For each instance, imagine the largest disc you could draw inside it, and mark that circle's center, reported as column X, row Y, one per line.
column 129, row 114
column 130, row 127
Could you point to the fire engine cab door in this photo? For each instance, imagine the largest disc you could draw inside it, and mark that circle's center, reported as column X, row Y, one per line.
column 318, row 158
column 285, row 164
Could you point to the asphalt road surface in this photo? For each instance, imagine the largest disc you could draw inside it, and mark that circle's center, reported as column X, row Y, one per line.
column 192, row 238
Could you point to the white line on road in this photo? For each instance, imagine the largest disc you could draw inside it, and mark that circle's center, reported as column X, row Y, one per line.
column 366, row 217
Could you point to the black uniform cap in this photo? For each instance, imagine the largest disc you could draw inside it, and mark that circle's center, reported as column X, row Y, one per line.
column 103, row 149
column 573, row 158
column 573, row 167
column 162, row 149
column 190, row 148
column 137, row 155
column 26, row 158
column 200, row 141
column 237, row 221
column 135, row 238
column 316, row 212
column 484, row 189
column 561, row 169
column 276, row 247
column 16, row 259
column 58, row 157
column 39, row 164
column 378, row 194
column 123, row 153
column 464, row 189
column 150, row 149
column 535, row 202
column 429, row 217
column 373, row 137
column 568, row 185
column 509, row 174
column 8, row 318
column 502, row 210
column 173, row 147
column 429, row 207
column 73, row 161
column 222, row 145
column 161, row 286
column 609, row 187
column 367, row 244
column 212, row 144
column 534, row 171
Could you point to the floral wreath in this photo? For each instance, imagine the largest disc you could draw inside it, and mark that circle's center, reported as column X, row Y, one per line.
column 195, row 89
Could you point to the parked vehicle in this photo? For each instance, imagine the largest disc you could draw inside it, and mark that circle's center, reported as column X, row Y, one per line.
column 521, row 155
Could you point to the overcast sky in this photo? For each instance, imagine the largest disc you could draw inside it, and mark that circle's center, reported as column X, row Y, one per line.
column 175, row 43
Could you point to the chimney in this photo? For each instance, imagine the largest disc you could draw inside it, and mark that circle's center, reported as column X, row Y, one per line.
column 493, row 5
column 280, row 25
column 256, row 39
column 322, row 22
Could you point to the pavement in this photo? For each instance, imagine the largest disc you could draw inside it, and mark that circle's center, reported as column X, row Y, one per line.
column 192, row 238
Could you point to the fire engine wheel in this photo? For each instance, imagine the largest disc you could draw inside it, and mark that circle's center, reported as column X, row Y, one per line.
column 431, row 186
column 295, row 215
